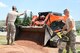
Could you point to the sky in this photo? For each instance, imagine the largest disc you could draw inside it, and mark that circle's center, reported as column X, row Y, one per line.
column 41, row 6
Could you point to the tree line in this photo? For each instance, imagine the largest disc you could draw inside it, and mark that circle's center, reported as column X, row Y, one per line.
column 25, row 21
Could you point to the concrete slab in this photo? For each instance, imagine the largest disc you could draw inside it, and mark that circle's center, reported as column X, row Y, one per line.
column 3, row 33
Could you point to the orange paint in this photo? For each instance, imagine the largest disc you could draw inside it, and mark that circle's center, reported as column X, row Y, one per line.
column 49, row 18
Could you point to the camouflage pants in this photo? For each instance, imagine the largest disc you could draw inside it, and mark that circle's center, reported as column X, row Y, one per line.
column 71, row 44
column 72, row 40
column 10, row 32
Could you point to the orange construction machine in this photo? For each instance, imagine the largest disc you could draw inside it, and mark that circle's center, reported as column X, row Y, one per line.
column 41, row 27
column 49, row 18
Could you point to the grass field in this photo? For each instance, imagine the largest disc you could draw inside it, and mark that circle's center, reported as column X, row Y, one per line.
column 2, row 39
column 78, row 34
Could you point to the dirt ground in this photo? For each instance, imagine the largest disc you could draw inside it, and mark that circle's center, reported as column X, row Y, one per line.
column 22, row 46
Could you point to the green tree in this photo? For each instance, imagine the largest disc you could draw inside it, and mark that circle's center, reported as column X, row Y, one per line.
column 31, row 15
column 26, row 20
column 18, row 21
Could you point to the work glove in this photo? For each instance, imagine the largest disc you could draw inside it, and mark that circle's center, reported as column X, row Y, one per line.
column 64, row 32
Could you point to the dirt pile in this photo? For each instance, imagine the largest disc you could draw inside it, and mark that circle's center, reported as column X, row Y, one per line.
column 24, row 46
column 35, row 46
column 29, row 44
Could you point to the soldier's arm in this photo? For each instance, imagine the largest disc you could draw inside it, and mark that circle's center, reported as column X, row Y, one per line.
column 64, row 27
column 71, row 26
column 19, row 14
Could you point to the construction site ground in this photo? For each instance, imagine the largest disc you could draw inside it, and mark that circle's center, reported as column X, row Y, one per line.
column 22, row 46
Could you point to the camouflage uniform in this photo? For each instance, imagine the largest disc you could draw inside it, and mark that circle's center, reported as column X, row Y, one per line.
column 71, row 29
column 11, row 17
column 72, row 41
column 70, row 44
column 10, row 32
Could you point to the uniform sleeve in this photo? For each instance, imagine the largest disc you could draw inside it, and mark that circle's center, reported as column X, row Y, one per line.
column 18, row 14
column 70, row 19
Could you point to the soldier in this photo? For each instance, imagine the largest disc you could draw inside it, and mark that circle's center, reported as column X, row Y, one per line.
column 11, row 17
column 71, row 32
